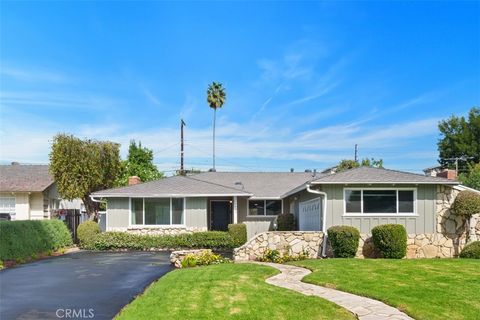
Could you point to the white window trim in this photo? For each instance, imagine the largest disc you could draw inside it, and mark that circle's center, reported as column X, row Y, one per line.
column 397, row 214
column 264, row 208
column 156, row 226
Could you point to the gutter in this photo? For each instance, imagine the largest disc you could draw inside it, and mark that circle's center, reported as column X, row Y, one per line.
column 95, row 200
column 324, row 222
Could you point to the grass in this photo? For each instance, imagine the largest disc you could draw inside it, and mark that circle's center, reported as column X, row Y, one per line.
column 226, row 291
column 424, row 288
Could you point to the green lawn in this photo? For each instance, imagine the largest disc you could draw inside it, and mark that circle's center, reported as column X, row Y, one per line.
column 228, row 291
column 424, row 288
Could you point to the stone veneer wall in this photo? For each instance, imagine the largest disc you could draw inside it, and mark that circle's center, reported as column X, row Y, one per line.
column 292, row 242
column 164, row 231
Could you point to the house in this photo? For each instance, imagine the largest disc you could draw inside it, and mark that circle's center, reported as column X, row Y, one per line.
column 28, row 192
column 362, row 197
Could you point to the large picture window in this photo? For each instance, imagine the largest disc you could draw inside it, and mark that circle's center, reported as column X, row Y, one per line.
column 157, row 211
column 264, row 207
column 379, row 201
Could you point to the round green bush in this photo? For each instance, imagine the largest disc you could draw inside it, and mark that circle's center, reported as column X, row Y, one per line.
column 286, row 222
column 471, row 251
column 238, row 231
column 390, row 240
column 467, row 203
column 344, row 241
column 86, row 232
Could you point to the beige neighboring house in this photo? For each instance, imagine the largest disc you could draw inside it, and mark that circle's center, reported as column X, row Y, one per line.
column 28, row 192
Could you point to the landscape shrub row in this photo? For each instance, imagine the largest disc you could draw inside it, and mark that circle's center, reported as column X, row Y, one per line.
column 123, row 240
column 471, row 251
column 21, row 240
column 344, row 241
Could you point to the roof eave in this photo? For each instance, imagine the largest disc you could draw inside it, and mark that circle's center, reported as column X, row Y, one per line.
column 170, row 195
column 386, row 182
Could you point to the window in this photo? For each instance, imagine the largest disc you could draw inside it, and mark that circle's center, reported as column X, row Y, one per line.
column 157, row 211
column 380, row 201
column 7, row 205
column 264, row 207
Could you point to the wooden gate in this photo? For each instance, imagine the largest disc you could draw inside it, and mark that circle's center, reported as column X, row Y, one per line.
column 72, row 220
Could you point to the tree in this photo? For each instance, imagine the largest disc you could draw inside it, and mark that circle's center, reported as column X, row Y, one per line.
column 467, row 205
column 216, row 97
column 139, row 163
column 472, row 177
column 460, row 137
column 81, row 167
column 346, row 164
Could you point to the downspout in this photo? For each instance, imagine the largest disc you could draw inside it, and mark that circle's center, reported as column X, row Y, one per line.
column 324, row 222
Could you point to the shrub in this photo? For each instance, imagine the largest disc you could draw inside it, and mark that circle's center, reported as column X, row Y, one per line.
column 471, row 251
column 203, row 258
column 466, row 204
column 20, row 240
column 286, row 222
column 87, row 231
column 277, row 257
column 344, row 241
column 390, row 240
column 197, row 240
column 238, row 231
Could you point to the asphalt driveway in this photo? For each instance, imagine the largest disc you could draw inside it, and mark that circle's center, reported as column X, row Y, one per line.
column 81, row 285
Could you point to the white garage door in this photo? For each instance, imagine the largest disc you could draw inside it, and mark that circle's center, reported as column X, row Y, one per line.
column 309, row 215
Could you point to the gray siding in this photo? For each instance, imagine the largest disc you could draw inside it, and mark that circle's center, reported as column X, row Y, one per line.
column 255, row 225
column 196, row 213
column 117, row 214
column 424, row 222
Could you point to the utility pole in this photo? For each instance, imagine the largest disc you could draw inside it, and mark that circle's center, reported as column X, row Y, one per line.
column 182, row 124
column 356, row 152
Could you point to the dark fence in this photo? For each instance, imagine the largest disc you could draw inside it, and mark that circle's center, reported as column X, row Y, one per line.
column 72, row 220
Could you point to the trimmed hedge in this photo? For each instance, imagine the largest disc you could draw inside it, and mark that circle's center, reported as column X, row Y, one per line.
column 344, row 241
column 238, row 231
column 197, row 240
column 471, row 251
column 390, row 240
column 286, row 222
column 21, row 240
column 86, row 231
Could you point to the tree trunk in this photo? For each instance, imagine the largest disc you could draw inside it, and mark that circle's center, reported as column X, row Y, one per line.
column 91, row 207
column 472, row 228
column 214, row 117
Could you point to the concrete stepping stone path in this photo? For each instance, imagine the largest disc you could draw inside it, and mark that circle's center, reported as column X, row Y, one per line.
column 364, row 308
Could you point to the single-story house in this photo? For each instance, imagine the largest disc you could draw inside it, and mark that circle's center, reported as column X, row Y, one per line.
column 362, row 197
column 28, row 192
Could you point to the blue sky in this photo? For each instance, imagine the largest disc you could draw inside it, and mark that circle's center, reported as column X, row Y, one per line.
column 305, row 81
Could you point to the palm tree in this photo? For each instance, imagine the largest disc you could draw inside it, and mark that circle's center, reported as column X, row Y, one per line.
column 216, row 97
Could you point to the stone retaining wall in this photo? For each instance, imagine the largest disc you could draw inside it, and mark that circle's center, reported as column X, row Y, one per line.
column 164, row 231
column 176, row 257
column 292, row 242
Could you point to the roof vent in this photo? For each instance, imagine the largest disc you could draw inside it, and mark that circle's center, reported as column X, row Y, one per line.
column 291, row 169
column 239, row 183
column 15, row 163
column 308, row 170
column 212, row 170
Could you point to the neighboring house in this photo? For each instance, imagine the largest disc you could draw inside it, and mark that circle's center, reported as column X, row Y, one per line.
column 28, row 192
column 362, row 197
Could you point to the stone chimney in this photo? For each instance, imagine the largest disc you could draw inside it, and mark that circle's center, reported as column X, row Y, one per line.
column 447, row 173
column 133, row 180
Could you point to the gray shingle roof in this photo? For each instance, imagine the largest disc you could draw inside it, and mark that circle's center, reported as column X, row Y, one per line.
column 369, row 175
column 172, row 186
column 257, row 184
column 24, row 178
column 260, row 184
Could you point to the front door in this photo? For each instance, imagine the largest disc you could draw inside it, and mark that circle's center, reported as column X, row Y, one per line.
column 220, row 214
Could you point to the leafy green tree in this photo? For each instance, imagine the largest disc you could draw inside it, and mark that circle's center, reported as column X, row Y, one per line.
column 139, row 163
column 346, row 164
column 216, row 97
column 81, row 167
column 460, row 137
column 472, row 177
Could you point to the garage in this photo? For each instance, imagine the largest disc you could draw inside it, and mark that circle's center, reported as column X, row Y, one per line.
column 310, row 215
